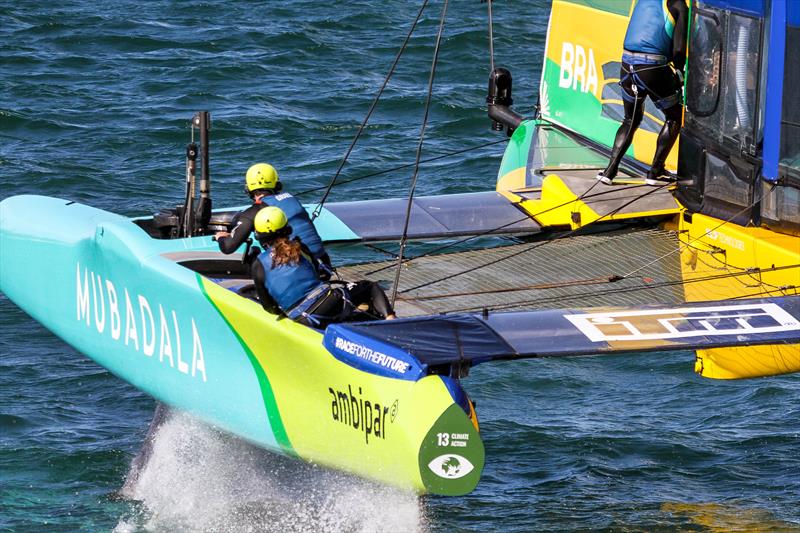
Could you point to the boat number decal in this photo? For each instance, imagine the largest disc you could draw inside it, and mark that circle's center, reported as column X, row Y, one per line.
column 152, row 330
column 458, row 440
column 685, row 322
column 366, row 416
column 450, row 466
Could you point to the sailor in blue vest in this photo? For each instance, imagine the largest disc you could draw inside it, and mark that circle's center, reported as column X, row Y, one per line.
column 286, row 280
column 264, row 188
column 652, row 65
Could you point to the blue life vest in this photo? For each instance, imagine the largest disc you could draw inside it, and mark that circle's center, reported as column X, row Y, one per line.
column 650, row 29
column 298, row 220
column 289, row 284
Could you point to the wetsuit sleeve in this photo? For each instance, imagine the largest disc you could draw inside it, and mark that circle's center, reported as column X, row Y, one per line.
column 259, row 279
column 680, row 13
column 242, row 228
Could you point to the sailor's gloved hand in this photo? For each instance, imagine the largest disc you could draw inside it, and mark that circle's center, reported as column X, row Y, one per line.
column 325, row 271
column 325, row 267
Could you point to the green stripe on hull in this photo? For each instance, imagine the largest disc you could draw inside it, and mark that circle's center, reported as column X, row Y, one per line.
column 270, row 405
column 618, row 7
column 516, row 153
column 583, row 112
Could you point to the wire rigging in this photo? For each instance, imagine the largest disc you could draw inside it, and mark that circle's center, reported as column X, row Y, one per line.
column 407, row 165
column 538, row 244
column 414, row 177
column 494, row 230
column 318, row 209
column 491, row 38
column 615, row 278
column 617, row 290
column 707, row 232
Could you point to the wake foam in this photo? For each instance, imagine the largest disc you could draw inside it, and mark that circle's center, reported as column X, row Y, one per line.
column 195, row 477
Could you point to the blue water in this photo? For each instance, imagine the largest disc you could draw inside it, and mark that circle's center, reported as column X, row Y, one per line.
column 94, row 107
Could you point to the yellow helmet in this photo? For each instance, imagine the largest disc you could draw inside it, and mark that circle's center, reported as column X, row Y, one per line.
column 261, row 176
column 270, row 219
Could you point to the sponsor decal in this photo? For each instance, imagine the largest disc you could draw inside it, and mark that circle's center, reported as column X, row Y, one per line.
column 373, row 356
column 725, row 239
column 137, row 324
column 450, row 466
column 578, row 69
column 684, row 322
column 363, row 415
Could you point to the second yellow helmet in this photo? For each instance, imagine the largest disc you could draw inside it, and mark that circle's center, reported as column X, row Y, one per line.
column 270, row 219
column 261, row 176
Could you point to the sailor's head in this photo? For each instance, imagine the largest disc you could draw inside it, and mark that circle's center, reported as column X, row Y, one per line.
column 271, row 223
column 261, row 178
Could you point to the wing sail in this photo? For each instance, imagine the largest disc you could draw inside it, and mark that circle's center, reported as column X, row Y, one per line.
column 449, row 215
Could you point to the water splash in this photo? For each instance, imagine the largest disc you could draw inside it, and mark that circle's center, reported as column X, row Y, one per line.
column 198, row 478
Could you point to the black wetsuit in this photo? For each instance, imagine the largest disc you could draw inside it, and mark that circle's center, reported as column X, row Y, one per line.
column 649, row 63
column 243, row 225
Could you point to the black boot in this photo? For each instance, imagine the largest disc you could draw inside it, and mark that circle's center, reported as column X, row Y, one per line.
column 657, row 175
column 621, row 143
column 622, row 140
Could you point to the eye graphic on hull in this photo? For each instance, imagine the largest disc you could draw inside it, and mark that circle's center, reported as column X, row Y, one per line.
column 451, row 466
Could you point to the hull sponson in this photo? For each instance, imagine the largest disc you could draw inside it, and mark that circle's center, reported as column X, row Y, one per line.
column 95, row 279
column 99, row 282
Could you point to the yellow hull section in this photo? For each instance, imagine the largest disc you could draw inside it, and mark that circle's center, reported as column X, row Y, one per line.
column 378, row 427
column 719, row 261
column 559, row 206
column 724, row 261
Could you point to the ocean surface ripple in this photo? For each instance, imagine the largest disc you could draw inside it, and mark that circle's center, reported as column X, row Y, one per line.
column 96, row 102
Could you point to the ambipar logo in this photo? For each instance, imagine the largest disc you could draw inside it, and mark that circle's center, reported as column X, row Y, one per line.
column 451, row 466
column 685, row 322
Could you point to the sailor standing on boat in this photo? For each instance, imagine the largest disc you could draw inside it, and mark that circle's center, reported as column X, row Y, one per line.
column 652, row 65
column 265, row 189
column 286, row 279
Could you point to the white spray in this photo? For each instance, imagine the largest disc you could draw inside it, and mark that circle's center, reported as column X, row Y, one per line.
column 198, row 478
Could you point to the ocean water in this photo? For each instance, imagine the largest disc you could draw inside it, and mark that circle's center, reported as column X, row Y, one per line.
column 95, row 103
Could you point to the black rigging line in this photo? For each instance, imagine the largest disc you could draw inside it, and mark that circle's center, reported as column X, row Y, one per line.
column 491, row 38
column 705, row 234
column 631, row 273
column 363, row 125
column 419, row 151
column 592, row 144
column 751, row 271
column 538, row 286
column 538, row 244
column 584, row 196
column 620, row 290
column 783, row 290
column 401, row 167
